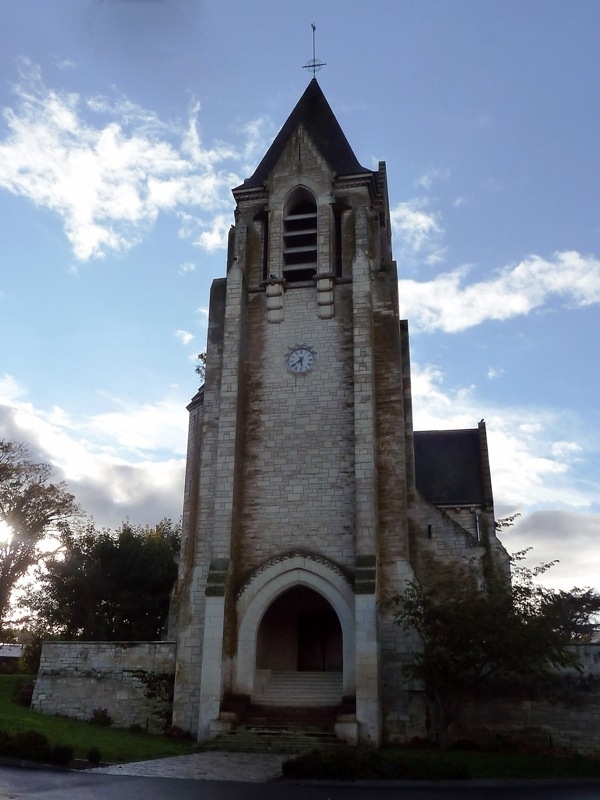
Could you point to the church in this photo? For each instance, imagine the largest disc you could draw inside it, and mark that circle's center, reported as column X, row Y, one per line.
column 309, row 498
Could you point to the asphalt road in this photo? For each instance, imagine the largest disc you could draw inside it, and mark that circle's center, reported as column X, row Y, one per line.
column 16, row 784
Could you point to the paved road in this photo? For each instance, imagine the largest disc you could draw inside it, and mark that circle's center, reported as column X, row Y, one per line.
column 21, row 784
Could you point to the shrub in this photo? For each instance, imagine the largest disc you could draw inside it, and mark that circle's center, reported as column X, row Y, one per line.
column 7, row 744
column 136, row 728
column 26, row 693
column 420, row 743
column 356, row 764
column 101, row 717
column 22, row 691
column 94, row 756
column 61, row 755
column 29, row 660
column 175, row 732
column 465, row 744
column 32, row 745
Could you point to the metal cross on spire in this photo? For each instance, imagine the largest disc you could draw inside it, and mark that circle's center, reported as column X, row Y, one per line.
column 315, row 65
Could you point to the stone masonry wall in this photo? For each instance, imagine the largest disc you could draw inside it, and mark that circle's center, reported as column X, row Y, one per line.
column 535, row 725
column 570, row 721
column 299, row 448
column 133, row 681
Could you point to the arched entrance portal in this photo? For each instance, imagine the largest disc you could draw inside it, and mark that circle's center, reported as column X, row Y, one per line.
column 295, row 614
column 300, row 632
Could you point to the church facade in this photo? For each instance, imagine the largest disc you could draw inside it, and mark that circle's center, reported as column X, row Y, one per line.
column 309, row 498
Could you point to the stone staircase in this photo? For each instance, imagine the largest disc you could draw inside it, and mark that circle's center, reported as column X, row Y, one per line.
column 273, row 739
column 290, row 712
column 299, row 689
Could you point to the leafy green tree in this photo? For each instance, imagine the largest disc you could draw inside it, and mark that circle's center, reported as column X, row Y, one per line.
column 34, row 511
column 109, row 586
column 481, row 637
column 200, row 368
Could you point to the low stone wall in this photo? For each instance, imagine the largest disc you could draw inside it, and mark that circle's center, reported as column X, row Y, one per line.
column 534, row 726
column 133, row 681
column 570, row 721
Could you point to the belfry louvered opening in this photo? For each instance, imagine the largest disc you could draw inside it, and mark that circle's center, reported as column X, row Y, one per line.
column 300, row 238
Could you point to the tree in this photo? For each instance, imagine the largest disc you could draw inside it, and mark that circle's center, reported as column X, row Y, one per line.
column 482, row 637
column 33, row 511
column 200, row 368
column 109, row 586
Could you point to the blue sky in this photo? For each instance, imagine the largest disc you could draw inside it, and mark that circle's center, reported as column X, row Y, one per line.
column 125, row 124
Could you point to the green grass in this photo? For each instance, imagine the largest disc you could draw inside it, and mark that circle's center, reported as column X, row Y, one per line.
column 116, row 745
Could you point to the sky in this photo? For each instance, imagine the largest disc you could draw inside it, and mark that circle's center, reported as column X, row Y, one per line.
column 124, row 125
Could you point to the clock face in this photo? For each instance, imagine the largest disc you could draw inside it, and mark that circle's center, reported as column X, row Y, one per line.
column 301, row 359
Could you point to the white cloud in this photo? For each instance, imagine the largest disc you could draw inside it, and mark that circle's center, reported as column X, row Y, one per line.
column 566, row 450
column 567, row 536
column 417, row 232
column 447, row 303
column 187, row 266
column 494, row 373
column 184, row 336
column 215, row 237
column 64, row 64
column 126, row 463
column 10, row 389
column 141, row 428
column 108, row 168
column 258, row 135
column 431, row 175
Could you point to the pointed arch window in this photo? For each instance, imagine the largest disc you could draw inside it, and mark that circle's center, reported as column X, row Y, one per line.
column 300, row 237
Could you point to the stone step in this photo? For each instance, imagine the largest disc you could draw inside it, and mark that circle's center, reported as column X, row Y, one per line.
column 301, row 689
column 274, row 739
column 305, row 717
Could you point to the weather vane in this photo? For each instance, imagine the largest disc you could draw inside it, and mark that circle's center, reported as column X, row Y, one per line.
column 315, row 64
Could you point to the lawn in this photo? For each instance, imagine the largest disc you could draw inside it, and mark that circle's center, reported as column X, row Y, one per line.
column 116, row 745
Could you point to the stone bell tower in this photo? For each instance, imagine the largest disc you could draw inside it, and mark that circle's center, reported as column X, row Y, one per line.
column 302, row 507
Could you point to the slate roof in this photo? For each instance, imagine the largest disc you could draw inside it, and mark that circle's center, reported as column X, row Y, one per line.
column 197, row 399
column 314, row 112
column 448, row 467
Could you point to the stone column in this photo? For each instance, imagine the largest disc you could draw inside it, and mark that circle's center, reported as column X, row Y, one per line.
column 226, row 488
column 212, row 648
column 368, row 714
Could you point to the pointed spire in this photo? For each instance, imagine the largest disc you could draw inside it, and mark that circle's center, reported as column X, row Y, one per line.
column 314, row 112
